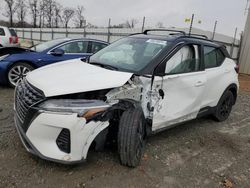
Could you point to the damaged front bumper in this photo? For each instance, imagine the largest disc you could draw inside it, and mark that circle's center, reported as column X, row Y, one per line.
column 44, row 135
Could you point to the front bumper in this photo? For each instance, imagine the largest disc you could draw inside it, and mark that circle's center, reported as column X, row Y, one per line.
column 40, row 134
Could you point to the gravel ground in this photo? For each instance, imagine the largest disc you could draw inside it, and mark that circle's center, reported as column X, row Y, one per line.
column 201, row 153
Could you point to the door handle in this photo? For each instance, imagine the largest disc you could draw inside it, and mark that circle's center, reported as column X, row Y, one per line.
column 199, row 83
column 227, row 71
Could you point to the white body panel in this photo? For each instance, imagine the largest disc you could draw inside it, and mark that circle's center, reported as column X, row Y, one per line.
column 218, row 79
column 45, row 129
column 75, row 76
column 183, row 94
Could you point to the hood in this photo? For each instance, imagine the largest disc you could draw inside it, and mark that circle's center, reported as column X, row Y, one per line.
column 75, row 76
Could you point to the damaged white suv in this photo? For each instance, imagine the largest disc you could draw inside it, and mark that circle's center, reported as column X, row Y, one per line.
column 137, row 86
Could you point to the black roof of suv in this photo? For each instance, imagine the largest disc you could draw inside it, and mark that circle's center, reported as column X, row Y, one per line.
column 175, row 37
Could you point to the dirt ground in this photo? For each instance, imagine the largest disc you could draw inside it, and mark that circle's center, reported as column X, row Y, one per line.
column 201, row 153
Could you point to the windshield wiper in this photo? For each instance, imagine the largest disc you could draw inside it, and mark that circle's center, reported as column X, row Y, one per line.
column 104, row 65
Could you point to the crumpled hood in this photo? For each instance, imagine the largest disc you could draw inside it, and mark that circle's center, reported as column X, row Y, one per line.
column 75, row 76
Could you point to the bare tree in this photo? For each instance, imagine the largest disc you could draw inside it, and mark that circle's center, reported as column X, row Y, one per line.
column 41, row 13
column 159, row 25
column 57, row 17
column 131, row 23
column 10, row 10
column 79, row 20
column 21, row 10
column 33, row 5
column 49, row 12
column 68, row 13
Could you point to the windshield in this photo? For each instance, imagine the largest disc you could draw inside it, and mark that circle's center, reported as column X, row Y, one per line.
column 46, row 45
column 131, row 54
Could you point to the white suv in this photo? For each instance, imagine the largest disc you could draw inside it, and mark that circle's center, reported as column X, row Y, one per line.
column 131, row 89
column 8, row 37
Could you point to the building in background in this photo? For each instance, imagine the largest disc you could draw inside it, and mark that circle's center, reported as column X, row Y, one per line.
column 245, row 49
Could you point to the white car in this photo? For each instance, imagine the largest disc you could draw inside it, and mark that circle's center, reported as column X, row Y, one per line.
column 129, row 90
column 8, row 37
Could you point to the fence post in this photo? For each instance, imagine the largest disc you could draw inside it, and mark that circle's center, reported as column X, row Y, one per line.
column 41, row 35
column 191, row 25
column 108, row 40
column 232, row 47
column 84, row 27
column 31, row 36
column 23, row 33
column 52, row 34
column 215, row 25
column 66, row 32
column 143, row 24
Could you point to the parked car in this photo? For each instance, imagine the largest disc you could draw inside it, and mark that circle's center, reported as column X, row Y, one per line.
column 15, row 63
column 135, row 87
column 8, row 37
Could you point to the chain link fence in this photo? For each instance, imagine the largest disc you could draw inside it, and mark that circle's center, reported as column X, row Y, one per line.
column 108, row 34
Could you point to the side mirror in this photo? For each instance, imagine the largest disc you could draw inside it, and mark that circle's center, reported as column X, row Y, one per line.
column 57, row 52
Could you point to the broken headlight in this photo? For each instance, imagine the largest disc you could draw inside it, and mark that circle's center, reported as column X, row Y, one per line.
column 84, row 108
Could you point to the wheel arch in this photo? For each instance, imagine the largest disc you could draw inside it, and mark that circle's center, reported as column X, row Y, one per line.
column 234, row 89
column 19, row 61
column 103, row 134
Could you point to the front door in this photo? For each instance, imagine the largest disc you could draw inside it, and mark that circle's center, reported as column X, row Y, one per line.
column 181, row 89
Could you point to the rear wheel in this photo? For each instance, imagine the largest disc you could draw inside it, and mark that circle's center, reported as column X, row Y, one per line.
column 17, row 72
column 131, row 137
column 224, row 106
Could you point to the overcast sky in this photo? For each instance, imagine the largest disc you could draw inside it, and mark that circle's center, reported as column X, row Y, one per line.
column 229, row 13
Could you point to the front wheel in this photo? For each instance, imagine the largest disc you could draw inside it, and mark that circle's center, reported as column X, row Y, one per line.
column 224, row 106
column 17, row 72
column 131, row 137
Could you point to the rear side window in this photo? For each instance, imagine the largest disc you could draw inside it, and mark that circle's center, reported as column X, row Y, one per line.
column 13, row 33
column 2, row 33
column 75, row 47
column 186, row 60
column 96, row 46
column 213, row 57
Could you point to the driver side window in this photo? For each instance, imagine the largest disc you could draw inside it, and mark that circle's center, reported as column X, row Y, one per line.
column 186, row 60
column 75, row 47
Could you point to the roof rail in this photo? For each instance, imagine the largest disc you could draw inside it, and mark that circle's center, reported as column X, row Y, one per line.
column 171, row 30
column 198, row 35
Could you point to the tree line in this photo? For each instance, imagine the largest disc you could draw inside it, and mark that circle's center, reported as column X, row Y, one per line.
column 51, row 14
column 42, row 13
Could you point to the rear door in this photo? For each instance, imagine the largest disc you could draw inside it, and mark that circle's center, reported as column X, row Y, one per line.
column 216, row 75
column 181, row 89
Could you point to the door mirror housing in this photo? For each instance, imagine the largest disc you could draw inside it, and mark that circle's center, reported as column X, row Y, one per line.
column 57, row 52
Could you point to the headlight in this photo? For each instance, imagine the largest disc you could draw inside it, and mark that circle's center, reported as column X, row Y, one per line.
column 84, row 108
column 3, row 57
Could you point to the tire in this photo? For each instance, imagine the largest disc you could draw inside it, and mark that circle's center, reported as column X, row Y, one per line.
column 131, row 137
column 224, row 106
column 17, row 72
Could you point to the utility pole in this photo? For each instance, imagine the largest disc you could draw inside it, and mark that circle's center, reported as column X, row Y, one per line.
column 191, row 24
column 109, row 25
column 232, row 47
column 143, row 24
column 215, row 25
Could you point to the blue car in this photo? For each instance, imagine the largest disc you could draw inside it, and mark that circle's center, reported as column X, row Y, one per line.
column 15, row 63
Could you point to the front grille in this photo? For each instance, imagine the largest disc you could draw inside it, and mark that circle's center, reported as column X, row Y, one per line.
column 63, row 141
column 26, row 96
